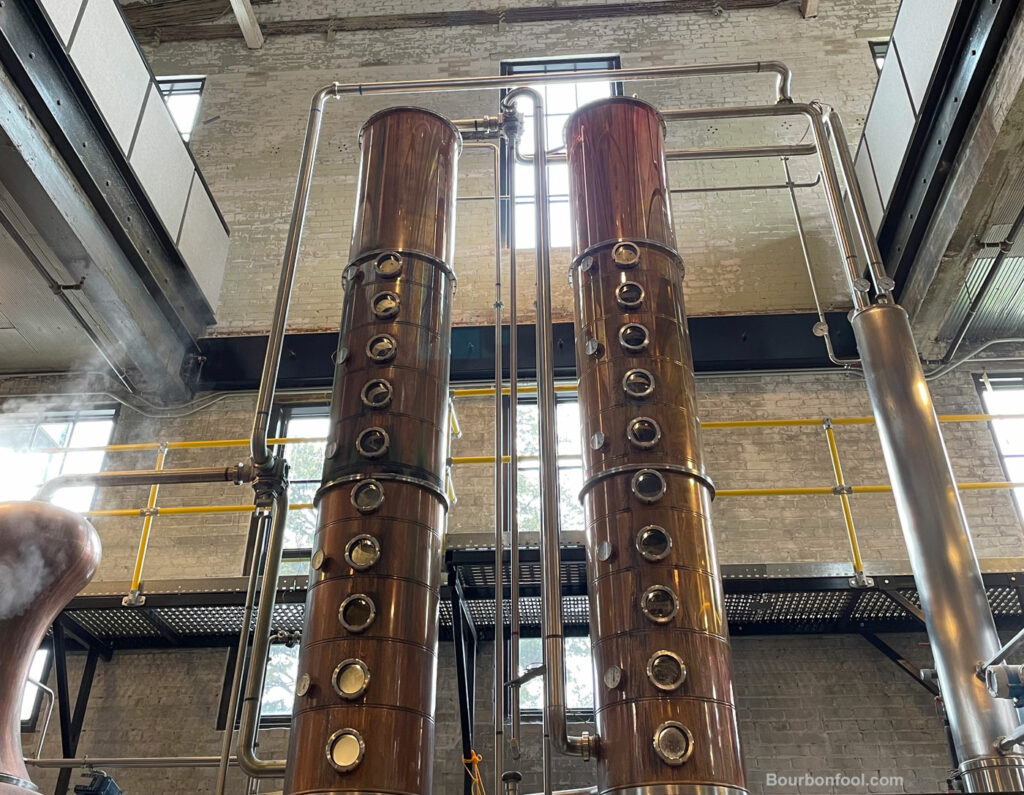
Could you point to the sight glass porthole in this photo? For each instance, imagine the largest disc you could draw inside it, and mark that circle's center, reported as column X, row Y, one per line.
column 626, row 254
column 357, row 612
column 629, row 295
column 659, row 604
column 377, row 393
column 367, row 496
column 362, row 552
column 634, row 337
column 372, row 442
column 388, row 265
column 381, row 348
column 666, row 670
column 648, row 485
column 350, row 679
column 673, row 743
column 653, row 543
column 384, row 305
column 638, row 383
column 345, row 750
column 643, row 432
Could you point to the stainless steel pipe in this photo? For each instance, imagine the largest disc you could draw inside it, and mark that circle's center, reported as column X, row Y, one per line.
column 859, row 286
column 960, row 625
column 711, row 153
column 155, row 762
column 248, row 727
column 555, row 723
column 239, row 473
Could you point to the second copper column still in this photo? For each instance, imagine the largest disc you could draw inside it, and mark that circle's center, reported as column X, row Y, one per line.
column 364, row 708
column 665, row 711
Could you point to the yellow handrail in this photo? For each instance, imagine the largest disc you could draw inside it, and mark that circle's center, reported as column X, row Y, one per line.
column 205, row 443
column 784, row 492
column 147, row 525
column 844, row 498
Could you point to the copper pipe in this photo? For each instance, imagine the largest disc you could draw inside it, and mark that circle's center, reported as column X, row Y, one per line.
column 47, row 555
column 363, row 718
column 660, row 640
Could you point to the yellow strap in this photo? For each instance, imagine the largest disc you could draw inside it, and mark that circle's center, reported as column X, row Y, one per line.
column 472, row 766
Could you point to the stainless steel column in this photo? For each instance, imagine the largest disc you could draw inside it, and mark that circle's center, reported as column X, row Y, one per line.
column 959, row 622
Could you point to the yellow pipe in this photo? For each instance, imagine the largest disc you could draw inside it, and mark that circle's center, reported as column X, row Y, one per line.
column 147, row 524
column 485, row 391
column 844, row 498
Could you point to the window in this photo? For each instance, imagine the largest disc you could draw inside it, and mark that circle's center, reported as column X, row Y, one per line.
column 182, row 95
column 579, row 679
column 32, row 698
column 279, row 684
column 560, row 100
column 879, row 49
column 36, row 450
column 306, row 460
column 1004, row 394
column 570, row 466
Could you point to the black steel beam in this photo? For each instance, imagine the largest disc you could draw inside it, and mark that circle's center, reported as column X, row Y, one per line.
column 962, row 72
column 899, row 599
column 737, row 342
column 87, row 639
column 901, row 661
column 71, row 724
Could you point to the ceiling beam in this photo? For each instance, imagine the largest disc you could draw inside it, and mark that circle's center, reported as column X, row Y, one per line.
column 248, row 23
column 808, row 8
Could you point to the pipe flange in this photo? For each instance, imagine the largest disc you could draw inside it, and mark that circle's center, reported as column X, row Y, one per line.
column 7, row 778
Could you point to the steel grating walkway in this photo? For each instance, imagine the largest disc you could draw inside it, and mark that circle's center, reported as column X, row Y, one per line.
column 760, row 600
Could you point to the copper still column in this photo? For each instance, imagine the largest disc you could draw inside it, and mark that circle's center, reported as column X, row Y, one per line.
column 47, row 555
column 364, row 708
column 666, row 718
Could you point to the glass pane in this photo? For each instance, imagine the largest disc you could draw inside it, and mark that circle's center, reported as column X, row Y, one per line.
column 28, row 700
column 579, row 680
column 524, row 184
column 561, row 99
column 301, row 524
column 568, row 420
column 555, row 131
column 529, row 500
column 570, row 511
column 526, row 429
column 279, row 685
column 588, row 92
column 307, row 459
column 561, row 231
column 526, row 138
column 558, row 181
column 183, row 108
column 526, row 229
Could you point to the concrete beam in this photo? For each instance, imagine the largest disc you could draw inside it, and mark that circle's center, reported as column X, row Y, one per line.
column 808, row 8
column 248, row 23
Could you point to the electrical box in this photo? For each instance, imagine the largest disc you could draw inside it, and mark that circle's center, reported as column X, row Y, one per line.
column 99, row 784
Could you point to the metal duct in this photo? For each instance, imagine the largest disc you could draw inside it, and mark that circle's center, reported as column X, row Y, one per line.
column 47, row 555
column 665, row 711
column 364, row 710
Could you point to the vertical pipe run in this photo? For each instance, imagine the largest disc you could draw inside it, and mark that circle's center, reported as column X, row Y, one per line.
column 664, row 705
column 959, row 621
column 363, row 719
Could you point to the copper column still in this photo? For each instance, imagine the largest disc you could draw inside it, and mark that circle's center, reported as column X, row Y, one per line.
column 666, row 718
column 364, row 708
column 47, row 555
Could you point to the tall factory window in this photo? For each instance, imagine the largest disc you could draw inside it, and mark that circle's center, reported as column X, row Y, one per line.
column 182, row 95
column 35, row 449
column 879, row 49
column 560, row 100
column 306, row 460
column 570, row 466
column 1004, row 394
column 579, row 679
